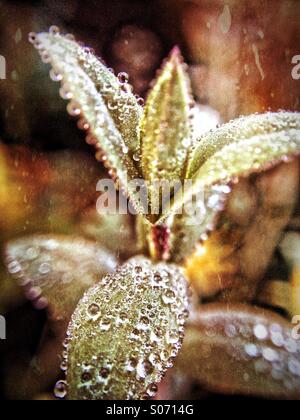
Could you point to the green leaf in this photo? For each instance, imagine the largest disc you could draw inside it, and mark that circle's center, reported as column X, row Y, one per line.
column 249, row 133
column 125, row 332
column 247, row 145
column 243, row 350
column 56, row 270
column 110, row 111
column 166, row 128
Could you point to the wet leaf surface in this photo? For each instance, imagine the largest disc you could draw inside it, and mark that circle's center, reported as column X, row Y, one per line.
column 239, row 349
column 125, row 333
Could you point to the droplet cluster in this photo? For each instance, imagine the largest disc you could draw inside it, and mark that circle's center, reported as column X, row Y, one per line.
column 245, row 145
column 256, row 350
column 125, row 332
column 166, row 128
column 107, row 109
column 56, row 270
column 199, row 216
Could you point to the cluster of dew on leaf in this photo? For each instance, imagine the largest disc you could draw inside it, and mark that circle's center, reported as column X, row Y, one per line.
column 142, row 309
column 108, row 355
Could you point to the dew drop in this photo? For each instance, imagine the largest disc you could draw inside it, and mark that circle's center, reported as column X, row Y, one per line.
column 152, row 390
column 32, row 37
column 140, row 101
column 270, row 355
column 251, row 350
column 105, row 324
column 73, row 109
column 60, row 390
column 65, row 93
column 168, row 297
column 136, row 157
column 54, row 30
column 83, row 124
column 55, row 76
column 260, row 332
column 64, row 365
column 93, row 310
column 44, row 268
column 123, row 78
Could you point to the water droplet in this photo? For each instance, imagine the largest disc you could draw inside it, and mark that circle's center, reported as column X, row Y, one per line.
column 230, row 330
column 14, row 267
column 140, row 101
column 270, row 355
column 54, row 30
column 60, row 390
column 32, row 37
column 260, row 332
column 136, row 157
column 123, row 78
column 144, row 368
column 104, row 373
column 73, row 109
column 44, row 268
column 105, row 324
column 251, row 350
column 86, row 377
column 64, row 365
column 152, row 390
column 294, row 367
column 70, row 37
column 93, row 310
column 65, row 93
column 291, row 345
column 55, row 76
column 168, row 297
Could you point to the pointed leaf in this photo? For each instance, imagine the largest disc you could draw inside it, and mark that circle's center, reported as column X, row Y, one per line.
column 236, row 150
column 125, row 332
column 166, row 128
column 111, row 113
column 250, row 129
column 243, row 350
column 56, row 270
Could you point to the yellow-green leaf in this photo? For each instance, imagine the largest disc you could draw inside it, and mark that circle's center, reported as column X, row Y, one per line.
column 108, row 109
column 126, row 332
column 56, row 270
column 236, row 150
column 251, row 131
column 166, row 128
column 243, row 350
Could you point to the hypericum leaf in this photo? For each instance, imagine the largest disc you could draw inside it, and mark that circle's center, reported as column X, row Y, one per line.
column 56, row 270
column 166, row 128
column 111, row 113
column 125, row 333
column 243, row 350
column 247, row 145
